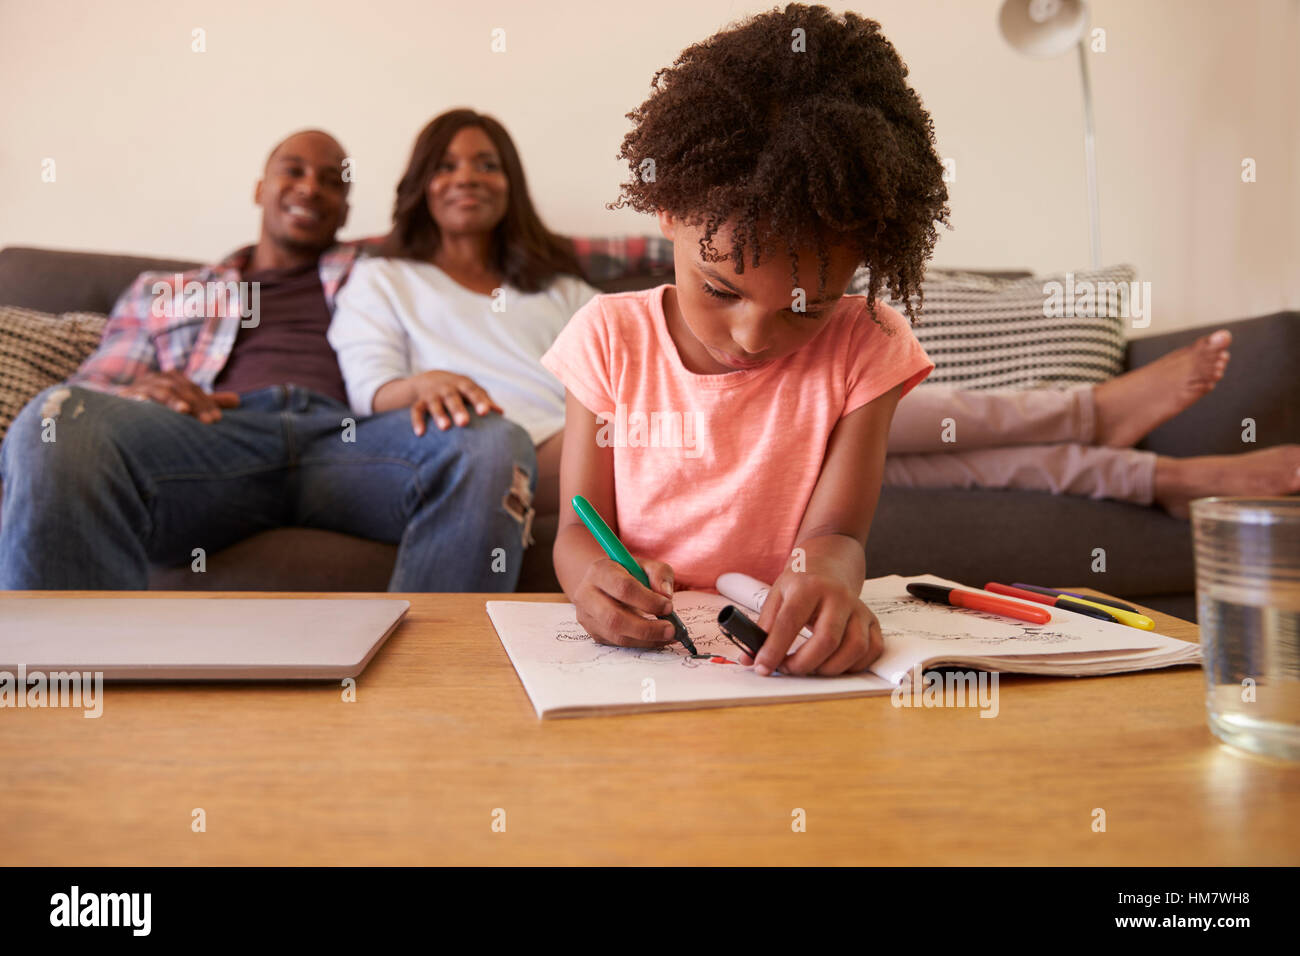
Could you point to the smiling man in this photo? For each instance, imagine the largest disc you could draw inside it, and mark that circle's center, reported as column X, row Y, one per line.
column 194, row 427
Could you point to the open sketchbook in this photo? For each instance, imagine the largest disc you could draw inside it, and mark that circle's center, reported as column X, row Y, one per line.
column 567, row 674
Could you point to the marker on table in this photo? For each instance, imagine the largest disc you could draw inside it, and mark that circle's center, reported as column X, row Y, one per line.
column 1109, row 602
column 1055, row 600
column 1131, row 618
column 978, row 601
column 614, row 548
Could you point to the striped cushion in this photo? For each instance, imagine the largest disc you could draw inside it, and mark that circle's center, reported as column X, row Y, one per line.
column 984, row 332
column 38, row 350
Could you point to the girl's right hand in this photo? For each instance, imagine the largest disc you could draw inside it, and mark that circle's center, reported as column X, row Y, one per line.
column 612, row 604
column 443, row 395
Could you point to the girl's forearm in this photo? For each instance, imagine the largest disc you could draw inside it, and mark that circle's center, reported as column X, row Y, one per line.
column 575, row 549
column 838, row 556
column 397, row 393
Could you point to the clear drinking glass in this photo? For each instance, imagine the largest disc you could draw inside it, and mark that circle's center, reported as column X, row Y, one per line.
column 1248, row 598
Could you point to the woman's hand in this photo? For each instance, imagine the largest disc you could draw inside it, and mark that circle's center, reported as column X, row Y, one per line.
column 612, row 605
column 846, row 635
column 443, row 395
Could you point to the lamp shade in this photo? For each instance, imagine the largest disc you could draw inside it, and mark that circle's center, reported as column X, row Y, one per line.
column 1043, row 27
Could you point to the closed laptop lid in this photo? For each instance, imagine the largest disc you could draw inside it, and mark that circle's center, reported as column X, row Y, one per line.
column 196, row 638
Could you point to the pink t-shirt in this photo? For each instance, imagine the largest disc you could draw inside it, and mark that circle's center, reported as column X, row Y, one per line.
column 713, row 473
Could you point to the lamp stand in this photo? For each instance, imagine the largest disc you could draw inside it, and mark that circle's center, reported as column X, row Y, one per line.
column 1090, row 155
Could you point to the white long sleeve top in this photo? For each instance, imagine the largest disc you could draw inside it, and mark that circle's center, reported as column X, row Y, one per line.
column 398, row 317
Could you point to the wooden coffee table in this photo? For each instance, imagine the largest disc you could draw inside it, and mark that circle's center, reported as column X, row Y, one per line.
column 442, row 738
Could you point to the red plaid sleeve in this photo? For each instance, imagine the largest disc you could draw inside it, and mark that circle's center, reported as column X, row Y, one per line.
column 126, row 350
column 604, row 259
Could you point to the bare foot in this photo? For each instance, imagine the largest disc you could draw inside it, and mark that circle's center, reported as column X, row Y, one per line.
column 1131, row 405
column 1265, row 473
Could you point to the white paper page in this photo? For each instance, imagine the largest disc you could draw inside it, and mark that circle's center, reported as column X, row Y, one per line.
column 566, row 673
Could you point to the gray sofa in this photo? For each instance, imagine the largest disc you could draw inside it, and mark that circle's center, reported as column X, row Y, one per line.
column 969, row 536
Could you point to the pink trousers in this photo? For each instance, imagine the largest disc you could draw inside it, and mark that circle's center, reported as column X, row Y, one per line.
column 1031, row 440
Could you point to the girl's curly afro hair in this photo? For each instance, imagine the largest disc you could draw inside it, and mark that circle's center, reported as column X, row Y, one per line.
column 796, row 124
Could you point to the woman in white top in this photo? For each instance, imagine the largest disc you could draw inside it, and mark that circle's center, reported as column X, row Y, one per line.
column 467, row 292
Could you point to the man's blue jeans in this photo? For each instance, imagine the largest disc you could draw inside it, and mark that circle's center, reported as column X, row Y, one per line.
column 98, row 487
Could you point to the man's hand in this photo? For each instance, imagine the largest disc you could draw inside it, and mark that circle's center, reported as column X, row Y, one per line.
column 443, row 395
column 180, row 394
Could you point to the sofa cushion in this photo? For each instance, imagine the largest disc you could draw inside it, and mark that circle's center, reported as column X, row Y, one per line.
column 975, row 536
column 310, row 559
column 38, row 350
column 287, row 559
column 984, row 331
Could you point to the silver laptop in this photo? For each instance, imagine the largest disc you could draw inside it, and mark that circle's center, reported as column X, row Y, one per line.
column 196, row 638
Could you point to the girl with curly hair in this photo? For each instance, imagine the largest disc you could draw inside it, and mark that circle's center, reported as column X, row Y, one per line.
column 737, row 420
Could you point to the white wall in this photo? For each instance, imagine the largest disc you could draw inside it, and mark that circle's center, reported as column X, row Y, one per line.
column 157, row 147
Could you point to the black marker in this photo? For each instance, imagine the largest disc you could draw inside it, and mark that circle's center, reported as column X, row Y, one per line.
column 741, row 631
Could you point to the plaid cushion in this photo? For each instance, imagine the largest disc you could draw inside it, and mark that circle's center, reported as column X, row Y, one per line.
column 38, row 350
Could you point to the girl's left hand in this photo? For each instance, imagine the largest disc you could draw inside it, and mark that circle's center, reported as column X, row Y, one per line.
column 846, row 635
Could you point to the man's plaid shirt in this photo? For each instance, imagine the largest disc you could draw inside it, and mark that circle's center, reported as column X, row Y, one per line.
column 151, row 330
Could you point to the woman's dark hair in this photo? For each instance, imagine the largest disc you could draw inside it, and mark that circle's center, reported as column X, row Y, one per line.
column 794, row 124
column 523, row 250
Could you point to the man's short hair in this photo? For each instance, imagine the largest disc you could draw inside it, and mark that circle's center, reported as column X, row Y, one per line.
column 320, row 132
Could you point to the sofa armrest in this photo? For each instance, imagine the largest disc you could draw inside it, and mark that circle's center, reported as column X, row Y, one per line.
column 1262, row 383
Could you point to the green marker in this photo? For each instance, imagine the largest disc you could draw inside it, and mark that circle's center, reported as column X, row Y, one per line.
column 614, row 548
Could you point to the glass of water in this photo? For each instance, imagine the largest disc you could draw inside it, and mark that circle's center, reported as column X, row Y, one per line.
column 1248, row 599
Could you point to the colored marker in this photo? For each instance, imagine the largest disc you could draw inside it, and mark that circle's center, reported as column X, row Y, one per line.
column 613, row 547
column 978, row 601
column 1055, row 600
column 740, row 630
column 1130, row 618
column 1109, row 602
column 751, row 592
